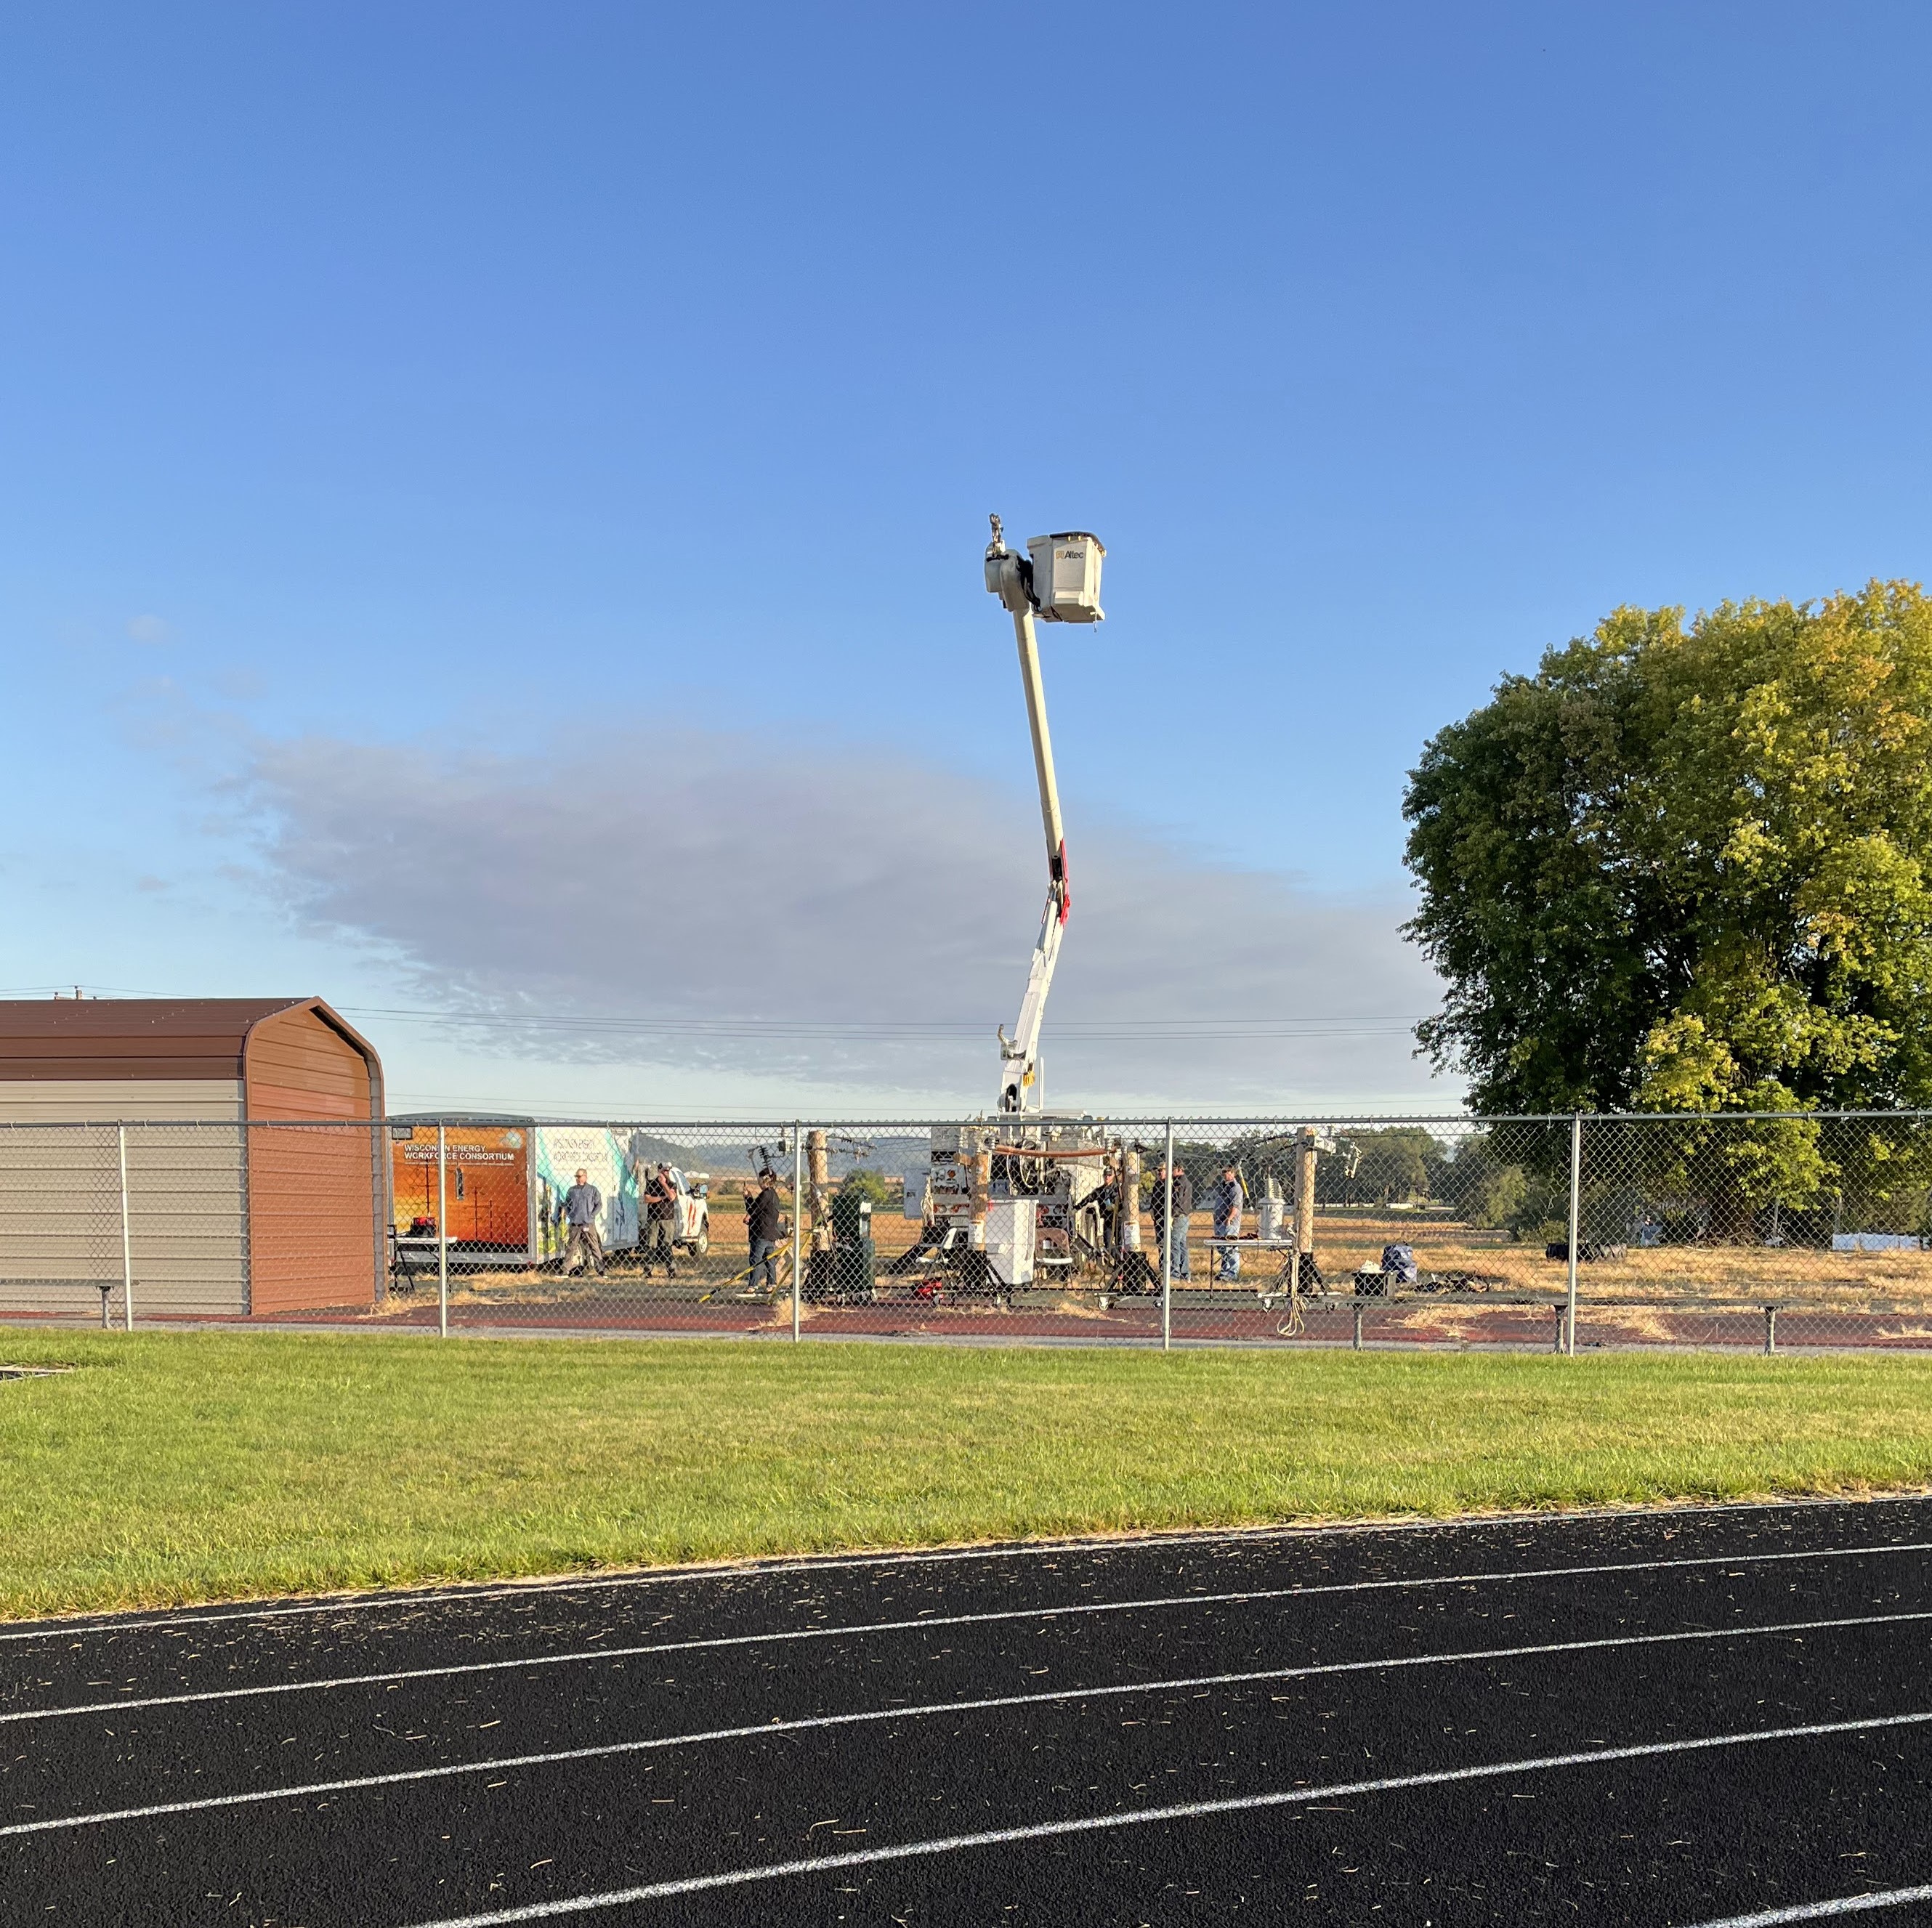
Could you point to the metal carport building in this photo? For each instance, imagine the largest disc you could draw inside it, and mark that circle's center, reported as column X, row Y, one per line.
column 257, row 1173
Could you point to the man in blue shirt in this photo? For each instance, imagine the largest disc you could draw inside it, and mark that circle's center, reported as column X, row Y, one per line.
column 1227, row 1199
column 581, row 1204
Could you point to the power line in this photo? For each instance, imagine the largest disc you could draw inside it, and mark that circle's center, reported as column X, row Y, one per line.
column 1109, row 1030
column 1219, row 1029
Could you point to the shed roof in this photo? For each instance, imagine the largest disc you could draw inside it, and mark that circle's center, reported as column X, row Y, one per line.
column 141, row 1037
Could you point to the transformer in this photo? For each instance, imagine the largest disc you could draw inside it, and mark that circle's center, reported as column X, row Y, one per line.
column 1016, row 1200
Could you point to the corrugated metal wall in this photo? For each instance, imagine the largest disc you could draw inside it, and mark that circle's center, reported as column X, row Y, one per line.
column 224, row 1218
column 316, row 1200
column 60, row 1217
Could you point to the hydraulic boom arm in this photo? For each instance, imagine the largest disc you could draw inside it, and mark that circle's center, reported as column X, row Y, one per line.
column 1010, row 577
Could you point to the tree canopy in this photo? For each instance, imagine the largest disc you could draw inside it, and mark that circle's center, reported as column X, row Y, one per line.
column 1689, row 868
column 862, row 1182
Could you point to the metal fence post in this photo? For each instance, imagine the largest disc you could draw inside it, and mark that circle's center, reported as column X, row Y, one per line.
column 1576, row 1216
column 442, row 1233
column 797, row 1224
column 1167, row 1245
column 127, row 1239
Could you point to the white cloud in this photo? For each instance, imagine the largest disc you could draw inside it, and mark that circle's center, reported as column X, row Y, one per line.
column 149, row 629
column 647, row 874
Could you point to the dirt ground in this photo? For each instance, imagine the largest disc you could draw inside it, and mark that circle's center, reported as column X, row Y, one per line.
column 1791, row 1275
column 1478, row 1263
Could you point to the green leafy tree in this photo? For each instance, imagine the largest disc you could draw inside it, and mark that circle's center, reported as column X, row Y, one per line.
column 1482, row 1188
column 1688, row 868
column 1395, row 1164
column 1685, row 869
column 862, row 1182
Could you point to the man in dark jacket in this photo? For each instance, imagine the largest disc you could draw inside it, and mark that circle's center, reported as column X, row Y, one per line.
column 660, row 1220
column 1183, row 1206
column 764, row 1227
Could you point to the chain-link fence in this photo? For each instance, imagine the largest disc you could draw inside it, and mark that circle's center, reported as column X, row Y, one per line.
column 1747, row 1232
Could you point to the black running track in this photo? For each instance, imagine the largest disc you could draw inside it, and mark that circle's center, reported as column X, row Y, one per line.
column 1691, row 1717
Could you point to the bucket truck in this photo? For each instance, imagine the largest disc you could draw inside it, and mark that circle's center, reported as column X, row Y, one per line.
column 1059, row 580
column 1018, row 1194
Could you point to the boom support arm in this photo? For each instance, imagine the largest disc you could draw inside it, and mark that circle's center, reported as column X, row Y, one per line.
column 1019, row 1055
column 1007, row 576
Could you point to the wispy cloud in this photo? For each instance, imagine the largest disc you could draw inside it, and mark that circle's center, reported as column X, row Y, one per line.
column 149, row 629
column 826, row 917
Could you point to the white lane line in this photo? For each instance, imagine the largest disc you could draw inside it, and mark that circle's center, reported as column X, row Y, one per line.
column 605, row 1750
column 1152, row 1542
column 761, row 1569
column 407, row 1603
column 1192, row 1810
column 1247, row 1597
column 1817, row 1911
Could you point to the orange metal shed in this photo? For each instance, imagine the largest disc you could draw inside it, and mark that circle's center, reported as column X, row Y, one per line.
column 234, row 1080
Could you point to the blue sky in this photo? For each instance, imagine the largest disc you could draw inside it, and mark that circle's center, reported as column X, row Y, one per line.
column 490, row 497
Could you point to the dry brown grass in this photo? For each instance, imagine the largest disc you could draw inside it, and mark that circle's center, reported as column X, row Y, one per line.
column 1791, row 1275
column 1898, row 1281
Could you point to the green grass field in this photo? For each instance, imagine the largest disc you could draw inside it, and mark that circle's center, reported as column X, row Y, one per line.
column 198, row 1466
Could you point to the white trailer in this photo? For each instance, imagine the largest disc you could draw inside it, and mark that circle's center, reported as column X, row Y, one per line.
column 501, row 1183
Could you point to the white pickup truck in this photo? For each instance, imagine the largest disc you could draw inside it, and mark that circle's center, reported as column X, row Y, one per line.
column 691, row 1228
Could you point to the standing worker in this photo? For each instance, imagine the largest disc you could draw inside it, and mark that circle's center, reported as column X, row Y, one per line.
column 581, row 1204
column 1105, row 1201
column 1228, row 1199
column 1183, row 1208
column 661, row 1220
column 764, row 1228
